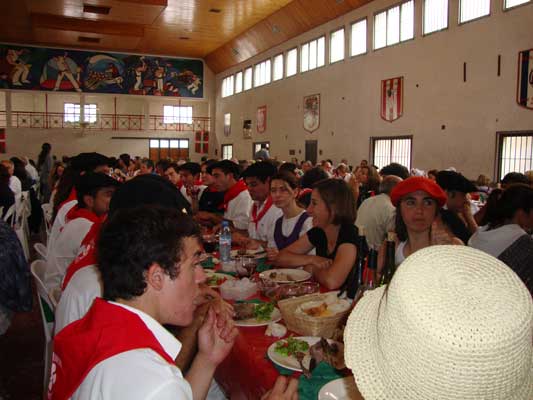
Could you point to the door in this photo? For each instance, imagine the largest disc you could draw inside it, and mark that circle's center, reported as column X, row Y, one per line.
column 311, row 150
column 256, row 146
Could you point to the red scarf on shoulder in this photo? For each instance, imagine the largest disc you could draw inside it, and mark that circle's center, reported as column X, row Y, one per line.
column 233, row 192
column 105, row 331
column 257, row 217
column 79, row 212
column 72, row 196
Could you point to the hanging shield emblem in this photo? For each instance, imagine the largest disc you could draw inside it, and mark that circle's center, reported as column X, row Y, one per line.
column 392, row 99
column 311, row 112
column 524, row 90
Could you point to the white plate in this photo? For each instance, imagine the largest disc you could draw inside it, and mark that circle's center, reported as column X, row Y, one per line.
column 299, row 275
column 210, row 274
column 339, row 389
column 257, row 253
column 274, row 317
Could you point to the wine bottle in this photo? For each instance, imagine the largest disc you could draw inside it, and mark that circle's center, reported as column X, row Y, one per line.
column 389, row 267
column 371, row 278
column 356, row 282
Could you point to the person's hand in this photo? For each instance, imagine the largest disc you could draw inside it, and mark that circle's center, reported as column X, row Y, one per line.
column 216, row 338
column 320, row 262
column 272, row 253
column 284, row 389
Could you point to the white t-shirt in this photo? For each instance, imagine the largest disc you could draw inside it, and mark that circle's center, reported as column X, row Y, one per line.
column 495, row 241
column 287, row 226
column 139, row 374
column 32, row 172
column 239, row 210
column 376, row 214
column 59, row 222
column 265, row 224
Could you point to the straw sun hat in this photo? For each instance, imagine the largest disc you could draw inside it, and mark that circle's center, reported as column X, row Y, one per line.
column 454, row 323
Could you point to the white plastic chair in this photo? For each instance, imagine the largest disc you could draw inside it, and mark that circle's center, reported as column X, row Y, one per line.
column 11, row 214
column 48, row 211
column 41, row 250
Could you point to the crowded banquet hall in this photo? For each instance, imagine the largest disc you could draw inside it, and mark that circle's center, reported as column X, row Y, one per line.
column 266, row 199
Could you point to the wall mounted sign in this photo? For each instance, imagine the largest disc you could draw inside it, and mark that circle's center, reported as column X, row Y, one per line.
column 39, row 68
column 311, row 112
column 392, row 99
column 201, row 144
column 261, row 119
column 2, row 141
column 524, row 87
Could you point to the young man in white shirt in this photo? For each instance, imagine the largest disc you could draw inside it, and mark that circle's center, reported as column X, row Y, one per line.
column 192, row 187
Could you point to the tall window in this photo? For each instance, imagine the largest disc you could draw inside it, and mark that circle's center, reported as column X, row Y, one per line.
column 392, row 149
column 358, row 40
column 238, row 82
column 292, row 62
column 71, row 112
column 336, row 46
column 515, row 152
column 227, row 151
column 177, row 114
column 435, row 15
column 278, row 67
column 312, row 54
column 227, row 86
column 514, row 3
column 168, row 148
column 248, row 78
column 472, row 9
column 394, row 25
column 262, row 73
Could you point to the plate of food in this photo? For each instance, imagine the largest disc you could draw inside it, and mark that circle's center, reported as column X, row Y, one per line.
column 328, row 306
column 339, row 389
column 257, row 253
column 304, row 353
column 285, row 275
column 215, row 279
column 255, row 314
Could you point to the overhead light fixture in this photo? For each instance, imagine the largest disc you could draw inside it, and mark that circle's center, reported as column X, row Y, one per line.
column 103, row 10
column 275, row 29
column 86, row 39
column 215, row 10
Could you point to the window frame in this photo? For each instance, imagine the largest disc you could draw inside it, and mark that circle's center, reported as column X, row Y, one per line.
column 373, row 140
column 235, row 82
column 169, row 139
column 224, row 145
column 500, row 137
column 365, row 18
column 268, row 60
column 505, row 9
column 297, row 62
column 273, row 67
column 250, row 68
column 77, row 117
column 398, row 4
column 174, row 117
column 300, row 53
column 232, row 86
column 459, row 23
column 343, row 28
column 424, row 17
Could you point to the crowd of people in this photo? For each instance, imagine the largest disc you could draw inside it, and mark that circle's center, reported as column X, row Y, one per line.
column 125, row 249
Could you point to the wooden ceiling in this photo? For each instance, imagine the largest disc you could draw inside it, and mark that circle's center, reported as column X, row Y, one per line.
column 223, row 32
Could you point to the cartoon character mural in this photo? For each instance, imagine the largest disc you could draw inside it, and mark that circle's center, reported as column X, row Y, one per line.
column 104, row 71
column 58, row 68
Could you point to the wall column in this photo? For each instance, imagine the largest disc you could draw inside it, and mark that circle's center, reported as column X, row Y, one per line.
column 9, row 122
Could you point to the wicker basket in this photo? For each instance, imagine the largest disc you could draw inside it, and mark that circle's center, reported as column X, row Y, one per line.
column 306, row 325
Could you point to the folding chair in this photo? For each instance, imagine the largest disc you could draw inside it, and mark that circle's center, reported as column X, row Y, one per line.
column 41, row 250
column 48, row 210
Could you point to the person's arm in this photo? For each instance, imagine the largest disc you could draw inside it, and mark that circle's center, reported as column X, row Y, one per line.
column 295, row 255
column 334, row 276
column 284, row 389
column 469, row 219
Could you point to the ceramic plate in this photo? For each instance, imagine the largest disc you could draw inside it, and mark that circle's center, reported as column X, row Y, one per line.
column 339, row 389
column 285, row 275
column 274, row 317
column 215, row 279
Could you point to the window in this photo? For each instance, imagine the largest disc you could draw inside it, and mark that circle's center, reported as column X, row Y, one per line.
column 392, row 149
column 227, row 86
column 227, row 151
column 358, row 40
column 227, row 124
column 262, row 73
column 514, row 3
column 238, row 82
column 248, row 78
column 515, row 152
column 292, row 62
column 312, row 54
column 177, row 114
column 394, row 25
column 174, row 149
column 278, row 67
column 472, row 9
column 71, row 112
column 435, row 15
column 336, row 46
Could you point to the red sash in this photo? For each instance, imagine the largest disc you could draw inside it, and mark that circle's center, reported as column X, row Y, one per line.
column 257, row 217
column 233, row 192
column 87, row 255
column 105, row 331
column 72, row 196
column 77, row 212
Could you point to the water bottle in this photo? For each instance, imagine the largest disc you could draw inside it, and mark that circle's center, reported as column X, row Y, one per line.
column 225, row 243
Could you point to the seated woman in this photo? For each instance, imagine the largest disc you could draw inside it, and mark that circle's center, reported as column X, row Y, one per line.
column 506, row 234
column 333, row 237
column 7, row 197
column 294, row 222
column 418, row 201
column 364, row 183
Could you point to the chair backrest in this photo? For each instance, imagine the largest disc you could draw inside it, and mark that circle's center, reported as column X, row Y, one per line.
column 48, row 211
column 11, row 215
column 38, row 270
column 41, row 250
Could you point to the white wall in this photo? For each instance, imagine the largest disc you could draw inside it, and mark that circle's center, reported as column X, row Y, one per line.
column 435, row 94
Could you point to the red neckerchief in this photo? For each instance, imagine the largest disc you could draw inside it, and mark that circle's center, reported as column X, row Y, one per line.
column 72, row 196
column 105, row 331
column 233, row 192
column 255, row 217
column 198, row 182
column 87, row 255
column 78, row 212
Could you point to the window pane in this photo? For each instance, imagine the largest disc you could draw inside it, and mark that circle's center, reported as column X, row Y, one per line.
column 472, row 9
column 380, row 30
column 71, row 112
column 516, row 154
column 393, row 26
column 238, row 82
column 304, row 58
column 396, row 150
column 407, row 21
column 513, row 3
column 89, row 111
column 174, row 144
column 163, row 144
column 278, row 67
column 321, row 51
column 268, row 71
column 312, row 54
column 248, row 78
column 154, row 143
column 292, row 58
column 435, row 15
column 358, row 42
column 184, row 144
column 227, row 119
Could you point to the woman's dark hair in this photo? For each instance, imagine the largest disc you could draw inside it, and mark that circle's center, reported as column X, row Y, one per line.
column 515, row 197
column 64, row 187
column 491, row 207
column 45, row 150
column 373, row 179
column 4, row 175
column 339, row 200
column 133, row 239
column 19, row 169
column 288, row 178
column 400, row 227
column 312, row 176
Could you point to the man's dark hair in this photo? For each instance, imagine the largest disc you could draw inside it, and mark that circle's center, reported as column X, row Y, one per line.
column 149, row 163
column 226, row 166
column 133, row 239
column 209, row 163
column 516, row 197
column 90, row 183
column 192, row 167
column 288, row 166
column 262, row 170
column 162, row 165
column 174, row 166
column 125, row 158
column 312, row 176
column 514, row 177
column 395, row 169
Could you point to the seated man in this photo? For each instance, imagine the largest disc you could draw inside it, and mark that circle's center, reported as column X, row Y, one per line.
column 172, row 173
column 149, row 260
column 211, row 199
column 237, row 201
column 192, row 187
column 147, row 167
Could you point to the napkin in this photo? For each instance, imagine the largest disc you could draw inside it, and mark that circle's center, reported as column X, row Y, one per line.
column 308, row 388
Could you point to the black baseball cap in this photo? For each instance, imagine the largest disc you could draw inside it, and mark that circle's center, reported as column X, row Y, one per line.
column 455, row 182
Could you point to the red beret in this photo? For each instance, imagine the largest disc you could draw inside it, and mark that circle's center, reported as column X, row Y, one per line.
column 415, row 183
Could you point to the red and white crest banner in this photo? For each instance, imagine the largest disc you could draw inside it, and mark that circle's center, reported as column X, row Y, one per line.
column 392, row 98
column 261, row 119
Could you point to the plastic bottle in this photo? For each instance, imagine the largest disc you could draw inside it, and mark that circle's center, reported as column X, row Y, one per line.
column 225, row 242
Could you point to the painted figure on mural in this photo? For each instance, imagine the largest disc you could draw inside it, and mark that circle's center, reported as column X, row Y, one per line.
column 20, row 69
column 139, row 71
column 57, row 69
column 159, row 74
column 104, row 73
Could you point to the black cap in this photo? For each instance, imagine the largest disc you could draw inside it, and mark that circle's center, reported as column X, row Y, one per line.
column 88, row 161
column 514, row 177
column 455, row 182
